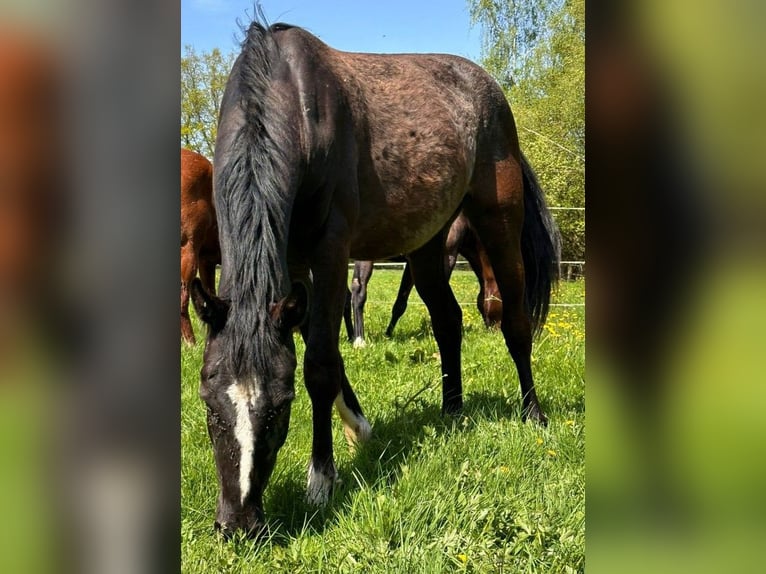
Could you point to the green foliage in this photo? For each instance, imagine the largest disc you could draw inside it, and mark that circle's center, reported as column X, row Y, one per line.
column 548, row 98
column 482, row 492
column 511, row 30
column 203, row 80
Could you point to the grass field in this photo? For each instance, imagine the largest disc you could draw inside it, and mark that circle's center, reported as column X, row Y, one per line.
column 482, row 492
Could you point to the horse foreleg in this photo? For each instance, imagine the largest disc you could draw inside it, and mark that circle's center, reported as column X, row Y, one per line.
column 323, row 368
column 188, row 271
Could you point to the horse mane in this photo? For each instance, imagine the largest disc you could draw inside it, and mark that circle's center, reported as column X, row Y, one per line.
column 254, row 204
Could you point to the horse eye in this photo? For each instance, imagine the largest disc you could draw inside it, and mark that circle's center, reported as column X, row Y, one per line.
column 282, row 400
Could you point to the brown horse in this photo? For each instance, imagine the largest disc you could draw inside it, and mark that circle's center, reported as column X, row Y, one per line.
column 33, row 184
column 461, row 239
column 322, row 156
column 199, row 232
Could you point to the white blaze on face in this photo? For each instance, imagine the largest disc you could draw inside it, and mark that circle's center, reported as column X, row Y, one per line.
column 355, row 426
column 243, row 399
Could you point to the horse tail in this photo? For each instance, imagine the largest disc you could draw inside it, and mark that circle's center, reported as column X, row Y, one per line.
column 541, row 249
column 252, row 201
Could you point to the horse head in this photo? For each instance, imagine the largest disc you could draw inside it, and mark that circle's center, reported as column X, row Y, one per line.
column 248, row 414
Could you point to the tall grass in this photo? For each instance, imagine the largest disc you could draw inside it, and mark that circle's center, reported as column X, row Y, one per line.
column 481, row 492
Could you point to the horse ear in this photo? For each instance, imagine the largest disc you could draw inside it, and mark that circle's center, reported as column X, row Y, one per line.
column 292, row 311
column 210, row 308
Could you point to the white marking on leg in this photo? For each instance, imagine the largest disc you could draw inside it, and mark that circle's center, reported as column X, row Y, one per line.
column 320, row 485
column 359, row 343
column 355, row 426
column 243, row 398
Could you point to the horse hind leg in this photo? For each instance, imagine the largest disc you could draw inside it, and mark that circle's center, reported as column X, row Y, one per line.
column 362, row 274
column 495, row 209
column 400, row 305
column 347, row 319
column 427, row 264
column 355, row 425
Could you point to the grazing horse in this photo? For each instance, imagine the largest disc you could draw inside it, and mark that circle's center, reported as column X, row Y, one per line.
column 462, row 239
column 199, row 232
column 322, row 156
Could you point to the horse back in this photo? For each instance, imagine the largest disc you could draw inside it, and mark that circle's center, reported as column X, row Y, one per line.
column 197, row 209
column 392, row 138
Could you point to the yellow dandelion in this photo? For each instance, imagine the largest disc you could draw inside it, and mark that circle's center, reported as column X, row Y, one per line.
column 504, row 469
column 539, row 441
column 569, row 423
column 551, row 452
column 462, row 557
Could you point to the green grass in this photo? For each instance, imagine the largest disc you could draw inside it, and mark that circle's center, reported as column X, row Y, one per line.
column 482, row 492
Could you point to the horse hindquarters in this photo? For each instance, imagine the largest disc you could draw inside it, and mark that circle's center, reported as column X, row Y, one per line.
column 495, row 209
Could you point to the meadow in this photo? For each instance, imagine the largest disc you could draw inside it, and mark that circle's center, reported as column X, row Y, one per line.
column 481, row 492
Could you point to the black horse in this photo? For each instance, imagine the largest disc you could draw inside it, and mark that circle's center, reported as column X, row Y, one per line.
column 322, row 156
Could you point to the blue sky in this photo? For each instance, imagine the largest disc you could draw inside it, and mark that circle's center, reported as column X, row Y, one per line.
column 353, row 25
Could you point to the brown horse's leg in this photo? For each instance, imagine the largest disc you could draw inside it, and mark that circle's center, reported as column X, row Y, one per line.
column 489, row 301
column 188, row 271
column 362, row 274
column 400, row 305
column 495, row 209
column 446, row 317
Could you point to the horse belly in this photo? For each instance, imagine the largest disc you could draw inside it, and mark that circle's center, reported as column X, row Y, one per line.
column 409, row 191
column 399, row 222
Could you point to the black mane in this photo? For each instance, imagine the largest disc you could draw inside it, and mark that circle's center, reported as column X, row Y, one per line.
column 254, row 207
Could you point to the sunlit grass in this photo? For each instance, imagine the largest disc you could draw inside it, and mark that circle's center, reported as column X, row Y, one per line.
column 482, row 492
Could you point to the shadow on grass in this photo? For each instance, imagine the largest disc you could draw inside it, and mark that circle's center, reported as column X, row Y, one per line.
column 377, row 462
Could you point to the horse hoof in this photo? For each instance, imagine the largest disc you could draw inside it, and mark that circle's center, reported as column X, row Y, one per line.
column 535, row 414
column 320, row 485
column 359, row 343
column 358, row 433
column 453, row 409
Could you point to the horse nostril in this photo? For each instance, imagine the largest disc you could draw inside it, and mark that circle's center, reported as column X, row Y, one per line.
column 255, row 531
column 224, row 530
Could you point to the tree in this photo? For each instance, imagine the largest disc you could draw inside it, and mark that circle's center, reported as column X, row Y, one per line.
column 203, row 80
column 512, row 29
column 547, row 96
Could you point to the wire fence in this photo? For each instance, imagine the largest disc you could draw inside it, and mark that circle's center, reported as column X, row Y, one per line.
column 462, row 265
column 568, row 270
